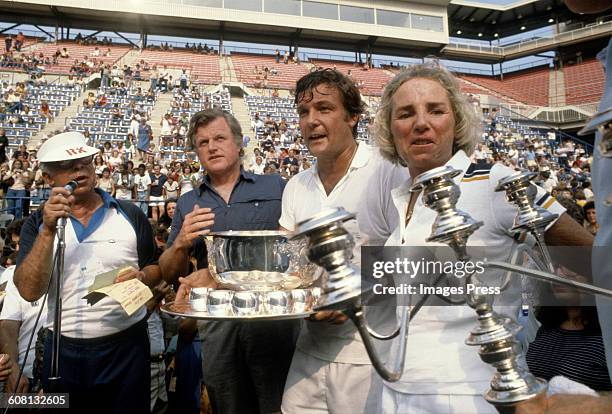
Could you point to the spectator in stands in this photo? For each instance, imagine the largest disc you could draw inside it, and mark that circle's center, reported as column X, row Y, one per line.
column 102, row 101
column 259, row 166
column 19, row 180
column 106, row 182
column 45, row 111
column 286, row 57
column 124, row 184
column 90, row 101
column 19, row 41
column 142, row 184
column 156, row 194
column 305, row 164
column 8, row 42
column 115, row 159
column 187, row 180
column 65, row 54
column 171, row 188
column 569, row 342
column 184, row 79
column 145, row 134
column 590, row 218
column 169, row 207
column 167, row 125
column 4, row 142
column 99, row 164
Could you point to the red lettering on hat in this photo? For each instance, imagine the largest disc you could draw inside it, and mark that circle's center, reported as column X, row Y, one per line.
column 75, row 151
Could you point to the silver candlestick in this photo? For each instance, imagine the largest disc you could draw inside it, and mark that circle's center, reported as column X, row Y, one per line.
column 494, row 335
column 330, row 246
column 530, row 217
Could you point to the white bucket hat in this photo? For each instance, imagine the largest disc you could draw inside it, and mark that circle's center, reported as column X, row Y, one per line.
column 65, row 146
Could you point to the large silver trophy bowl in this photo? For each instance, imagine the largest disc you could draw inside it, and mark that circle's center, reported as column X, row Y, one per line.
column 260, row 261
column 261, row 275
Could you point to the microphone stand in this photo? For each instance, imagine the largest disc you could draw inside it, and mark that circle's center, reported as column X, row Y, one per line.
column 58, row 284
column 58, row 272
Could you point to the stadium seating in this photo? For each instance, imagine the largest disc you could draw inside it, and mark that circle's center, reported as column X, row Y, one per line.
column 57, row 96
column 370, row 82
column 98, row 121
column 529, row 86
column 250, row 70
column 29, row 41
column 80, row 53
column 584, row 82
column 202, row 68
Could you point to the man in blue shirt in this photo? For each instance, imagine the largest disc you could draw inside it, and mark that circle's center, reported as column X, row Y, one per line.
column 245, row 364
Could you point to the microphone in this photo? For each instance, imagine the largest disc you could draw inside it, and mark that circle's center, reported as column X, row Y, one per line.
column 70, row 187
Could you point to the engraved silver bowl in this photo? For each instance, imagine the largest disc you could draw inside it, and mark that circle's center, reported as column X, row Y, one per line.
column 260, row 261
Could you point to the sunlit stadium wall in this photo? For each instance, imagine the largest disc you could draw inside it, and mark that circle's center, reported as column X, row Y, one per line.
column 426, row 23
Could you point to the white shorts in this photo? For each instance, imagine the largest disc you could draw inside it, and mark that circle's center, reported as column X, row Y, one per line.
column 317, row 386
column 156, row 201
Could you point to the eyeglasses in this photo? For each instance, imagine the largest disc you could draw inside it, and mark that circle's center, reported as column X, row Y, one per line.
column 605, row 146
column 68, row 164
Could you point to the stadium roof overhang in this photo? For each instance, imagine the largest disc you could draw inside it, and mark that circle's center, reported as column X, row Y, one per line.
column 88, row 19
column 468, row 19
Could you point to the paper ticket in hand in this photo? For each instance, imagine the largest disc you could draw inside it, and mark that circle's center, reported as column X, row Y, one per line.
column 131, row 294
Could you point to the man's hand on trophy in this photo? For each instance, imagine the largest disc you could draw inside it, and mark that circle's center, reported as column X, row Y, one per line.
column 199, row 278
column 197, row 223
column 333, row 317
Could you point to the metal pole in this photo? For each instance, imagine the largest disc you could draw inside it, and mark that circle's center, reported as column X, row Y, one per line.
column 57, row 317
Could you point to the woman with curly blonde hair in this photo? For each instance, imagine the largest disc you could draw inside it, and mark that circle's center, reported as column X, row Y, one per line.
column 425, row 122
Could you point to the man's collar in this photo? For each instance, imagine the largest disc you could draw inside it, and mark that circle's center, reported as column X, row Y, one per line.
column 244, row 175
column 107, row 199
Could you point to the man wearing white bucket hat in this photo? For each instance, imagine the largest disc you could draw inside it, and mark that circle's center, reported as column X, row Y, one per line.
column 104, row 353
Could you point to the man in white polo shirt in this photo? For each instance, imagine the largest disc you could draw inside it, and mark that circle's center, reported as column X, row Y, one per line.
column 331, row 371
column 104, row 352
column 17, row 323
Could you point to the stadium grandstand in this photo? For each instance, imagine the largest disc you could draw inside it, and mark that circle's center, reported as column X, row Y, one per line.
column 121, row 71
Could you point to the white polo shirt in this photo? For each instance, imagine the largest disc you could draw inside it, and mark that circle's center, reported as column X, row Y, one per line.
column 437, row 359
column 15, row 308
column 117, row 236
column 364, row 190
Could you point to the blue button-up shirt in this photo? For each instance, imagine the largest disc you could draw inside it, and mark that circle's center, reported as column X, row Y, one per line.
column 254, row 204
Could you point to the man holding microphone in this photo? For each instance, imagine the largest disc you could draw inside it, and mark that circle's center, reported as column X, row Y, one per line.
column 104, row 352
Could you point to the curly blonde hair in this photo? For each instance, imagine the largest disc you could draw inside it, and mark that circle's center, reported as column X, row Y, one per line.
column 466, row 119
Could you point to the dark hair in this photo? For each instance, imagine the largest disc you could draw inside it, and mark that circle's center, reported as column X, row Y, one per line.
column 554, row 316
column 573, row 209
column 14, row 228
column 165, row 220
column 351, row 98
column 590, row 205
